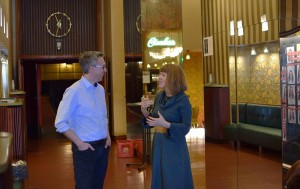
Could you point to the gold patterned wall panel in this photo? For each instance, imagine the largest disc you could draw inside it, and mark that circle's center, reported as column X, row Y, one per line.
column 232, row 75
column 194, row 74
column 161, row 15
column 264, row 80
column 258, row 78
column 243, row 73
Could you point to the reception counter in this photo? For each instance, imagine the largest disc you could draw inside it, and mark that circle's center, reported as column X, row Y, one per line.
column 5, row 150
column 12, row 119
column 5, row 160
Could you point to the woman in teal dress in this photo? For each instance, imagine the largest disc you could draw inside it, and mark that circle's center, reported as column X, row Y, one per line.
column 170, row 117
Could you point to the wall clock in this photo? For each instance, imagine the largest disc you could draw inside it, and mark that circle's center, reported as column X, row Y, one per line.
column 58, row 24
column 137, row 23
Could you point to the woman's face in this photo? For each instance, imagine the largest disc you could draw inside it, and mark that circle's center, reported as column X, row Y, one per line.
column 162, row 80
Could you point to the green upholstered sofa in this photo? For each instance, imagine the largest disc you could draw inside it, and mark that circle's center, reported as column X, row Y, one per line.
column 258, row 124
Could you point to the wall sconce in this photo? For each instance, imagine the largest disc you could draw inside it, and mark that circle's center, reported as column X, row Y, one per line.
column 58, row 44
column 140, row 63
column 187, row 57
column 253, row 52
column 266, row 50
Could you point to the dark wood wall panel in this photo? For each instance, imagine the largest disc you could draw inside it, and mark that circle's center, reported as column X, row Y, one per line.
column 11, row 122
column 134, row 82
column 84, row 34
column 132, row 10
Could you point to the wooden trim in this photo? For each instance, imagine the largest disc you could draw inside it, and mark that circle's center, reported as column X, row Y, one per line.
column 121, row 137
column 99, row 25
column 44, row 59
column 18, row 33
column 290, row 32
column 20, row 75
column 41, row 57
column 133, row 57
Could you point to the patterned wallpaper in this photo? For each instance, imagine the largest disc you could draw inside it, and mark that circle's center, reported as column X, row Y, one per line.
column 258, row 76
column 194, row 74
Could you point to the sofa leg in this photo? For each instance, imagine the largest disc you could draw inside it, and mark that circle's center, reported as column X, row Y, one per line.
column 238, row 144
column 260, row 150
column 232, row 144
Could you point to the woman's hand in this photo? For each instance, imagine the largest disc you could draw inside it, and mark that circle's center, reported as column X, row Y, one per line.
column 160, row 121
column 145, row 104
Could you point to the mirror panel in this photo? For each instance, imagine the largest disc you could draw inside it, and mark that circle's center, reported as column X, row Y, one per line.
column 258, row 97
column 220, row 157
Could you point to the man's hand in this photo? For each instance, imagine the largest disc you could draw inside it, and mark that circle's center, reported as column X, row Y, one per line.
column 84, row 146
column 108, row 141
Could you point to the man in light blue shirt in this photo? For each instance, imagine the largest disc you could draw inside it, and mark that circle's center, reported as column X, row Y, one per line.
column 82, row 118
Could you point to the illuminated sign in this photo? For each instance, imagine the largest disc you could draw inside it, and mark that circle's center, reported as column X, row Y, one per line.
column 166, row 52
column 165, row 42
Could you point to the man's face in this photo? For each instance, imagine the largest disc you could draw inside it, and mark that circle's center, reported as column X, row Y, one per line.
column 99, row 69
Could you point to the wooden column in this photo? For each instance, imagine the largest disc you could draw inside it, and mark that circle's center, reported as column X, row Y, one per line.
column 216, row 107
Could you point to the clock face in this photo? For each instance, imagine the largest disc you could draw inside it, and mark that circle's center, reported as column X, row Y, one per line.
column 58, row 24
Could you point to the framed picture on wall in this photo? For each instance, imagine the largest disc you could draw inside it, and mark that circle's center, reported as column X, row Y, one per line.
column 291, row 94
column 289, row 53
column 291, row 115
column 298, row 95
column 291, row 74
column 283, row 93
column 298, row 74
column 283, row 74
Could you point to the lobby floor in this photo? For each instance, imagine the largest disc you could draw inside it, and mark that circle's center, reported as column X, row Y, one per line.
column 50, row 166
column 215, row 165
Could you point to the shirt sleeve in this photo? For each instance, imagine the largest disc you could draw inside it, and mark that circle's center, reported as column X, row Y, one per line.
column 65, row 110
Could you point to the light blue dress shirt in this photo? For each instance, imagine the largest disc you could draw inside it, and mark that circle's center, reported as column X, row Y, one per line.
column 83, row 110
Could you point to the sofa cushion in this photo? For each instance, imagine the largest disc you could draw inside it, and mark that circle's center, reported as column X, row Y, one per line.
column 267, row 116
column 264, row 136
column 230, row 132
column 242, row 112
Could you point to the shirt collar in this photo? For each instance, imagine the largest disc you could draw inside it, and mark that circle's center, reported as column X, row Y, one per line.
column 86, row 82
